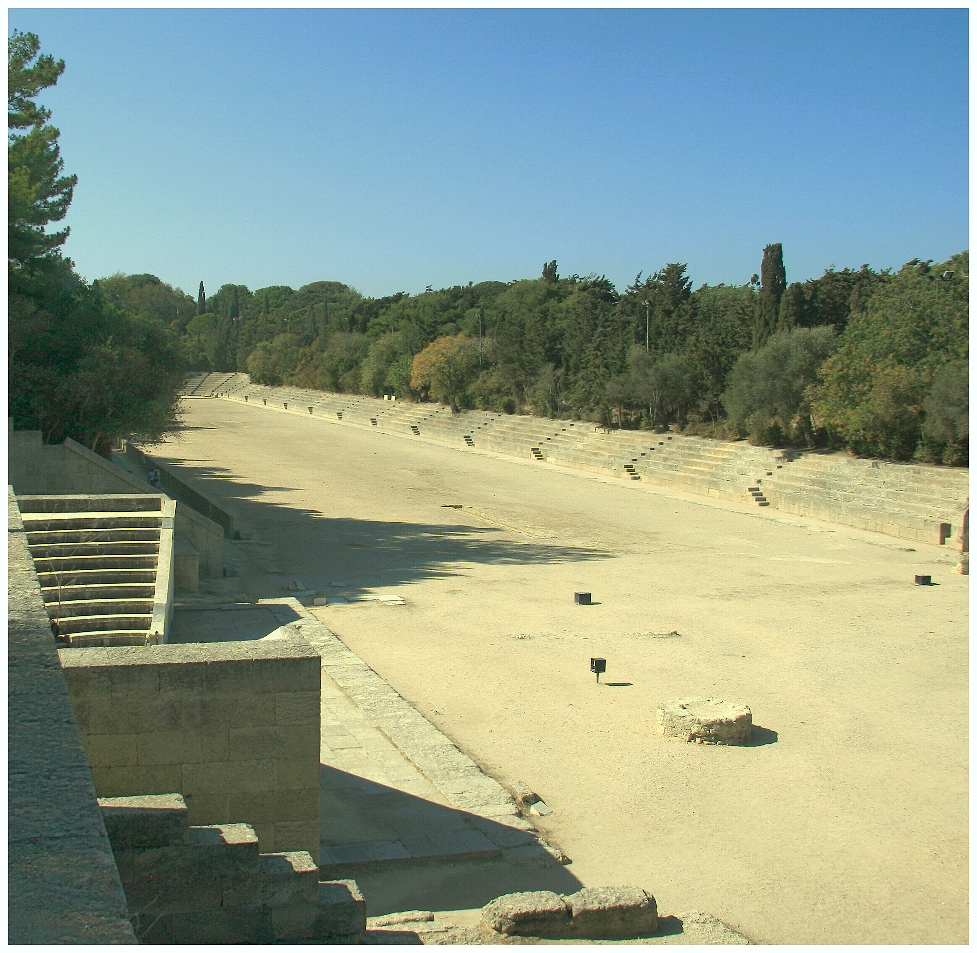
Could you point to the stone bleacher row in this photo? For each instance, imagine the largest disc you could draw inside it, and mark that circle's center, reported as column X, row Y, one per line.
column 97, row 560
column 913, row 502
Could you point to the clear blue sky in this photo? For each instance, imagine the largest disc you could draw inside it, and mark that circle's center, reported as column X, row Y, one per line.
column 393, row 149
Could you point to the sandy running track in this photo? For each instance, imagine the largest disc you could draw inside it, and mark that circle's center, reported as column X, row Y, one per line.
column 845, row 823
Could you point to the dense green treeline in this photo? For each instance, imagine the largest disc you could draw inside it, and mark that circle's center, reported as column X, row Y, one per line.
column 870, row 360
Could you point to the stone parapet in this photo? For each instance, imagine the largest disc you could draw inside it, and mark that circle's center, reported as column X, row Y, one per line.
column 63, row 885
column 233, row 727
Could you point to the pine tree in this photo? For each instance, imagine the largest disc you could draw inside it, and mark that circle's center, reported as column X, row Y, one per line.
column 37, row 192
column 201, row 300
column 773, row 283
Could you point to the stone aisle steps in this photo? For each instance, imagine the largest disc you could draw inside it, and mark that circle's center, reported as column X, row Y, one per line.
column 97, row 564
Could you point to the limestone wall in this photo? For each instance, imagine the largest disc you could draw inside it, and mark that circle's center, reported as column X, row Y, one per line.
column 63, row 885
column 233, row 727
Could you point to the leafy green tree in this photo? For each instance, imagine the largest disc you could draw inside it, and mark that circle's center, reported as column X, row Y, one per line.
column 766, row 393
column 723, row 331
column 445, row 368
column 872, row 391
column 773, row 283
column 549, row 272
column 946, row 409
column 37, row 192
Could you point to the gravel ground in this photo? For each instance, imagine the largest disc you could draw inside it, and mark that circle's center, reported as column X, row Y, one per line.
column 846, row 821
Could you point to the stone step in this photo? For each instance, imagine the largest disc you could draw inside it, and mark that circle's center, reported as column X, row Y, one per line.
column 107, row 639
column 91, row 594
column 98, row 550
column 95, row 520
column 69, row 504
column 101, row 624
column 59, row 564
column 112, row 534
column 65, row 609
column 97, row 577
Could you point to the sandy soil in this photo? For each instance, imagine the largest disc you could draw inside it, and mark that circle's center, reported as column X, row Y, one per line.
column 846, row 821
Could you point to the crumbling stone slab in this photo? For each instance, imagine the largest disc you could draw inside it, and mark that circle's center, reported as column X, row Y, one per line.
column 539, row 913
column 611, row 913
column 706, row 721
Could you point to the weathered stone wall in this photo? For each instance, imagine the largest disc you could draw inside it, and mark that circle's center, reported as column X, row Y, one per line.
column 63, row 885
column 233, row 727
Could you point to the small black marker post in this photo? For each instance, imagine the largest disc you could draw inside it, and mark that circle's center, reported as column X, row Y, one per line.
column 598, row 665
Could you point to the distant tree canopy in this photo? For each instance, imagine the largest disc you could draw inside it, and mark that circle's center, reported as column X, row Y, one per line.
column 766, row 360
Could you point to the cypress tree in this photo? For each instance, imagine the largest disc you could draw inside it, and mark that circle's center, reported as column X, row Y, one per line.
column 235, row 305
column 201, row 300
column 773, row 283
column 792, row 308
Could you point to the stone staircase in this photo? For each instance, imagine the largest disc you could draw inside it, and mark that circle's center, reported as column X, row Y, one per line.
column 104, row 564
column 209, row 884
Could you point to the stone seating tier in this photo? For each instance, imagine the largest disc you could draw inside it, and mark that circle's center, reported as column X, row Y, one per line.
column 98, row 562
column 910, row 501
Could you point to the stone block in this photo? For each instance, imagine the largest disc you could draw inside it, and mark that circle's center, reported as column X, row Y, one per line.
column 297, row 773
column 250, row 744
column 612, row 913
column 284, row 675
column 342, row 909
column 300, row 741
column 298, row 835
column 182, row 678
column 706, row 721
column 288, row 877
column 205, row 809
column 221, row 926
column 295, row 921
column 111, row 751
column 297, row 708
column 134, row 680
column 158, row 820
column 539, row 913
column 229, row 677
column 137, row 779
column 167, row 747
column 256, row 807
column 227, row 777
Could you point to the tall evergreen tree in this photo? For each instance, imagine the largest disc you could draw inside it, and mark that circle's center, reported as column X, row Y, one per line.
column 37, row 192
column 792, row 308
column 773, row 283
column 201, row 300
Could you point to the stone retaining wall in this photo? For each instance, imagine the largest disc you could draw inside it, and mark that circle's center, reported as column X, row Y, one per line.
column 63, row 885
column 233, row 727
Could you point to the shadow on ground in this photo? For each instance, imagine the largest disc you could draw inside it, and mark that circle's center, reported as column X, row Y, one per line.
column 408, row 853
column 362, row 554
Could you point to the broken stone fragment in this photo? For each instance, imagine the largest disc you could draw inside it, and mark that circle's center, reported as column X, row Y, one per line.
column 539, row 913
column 613, row 912
column 706, row 720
